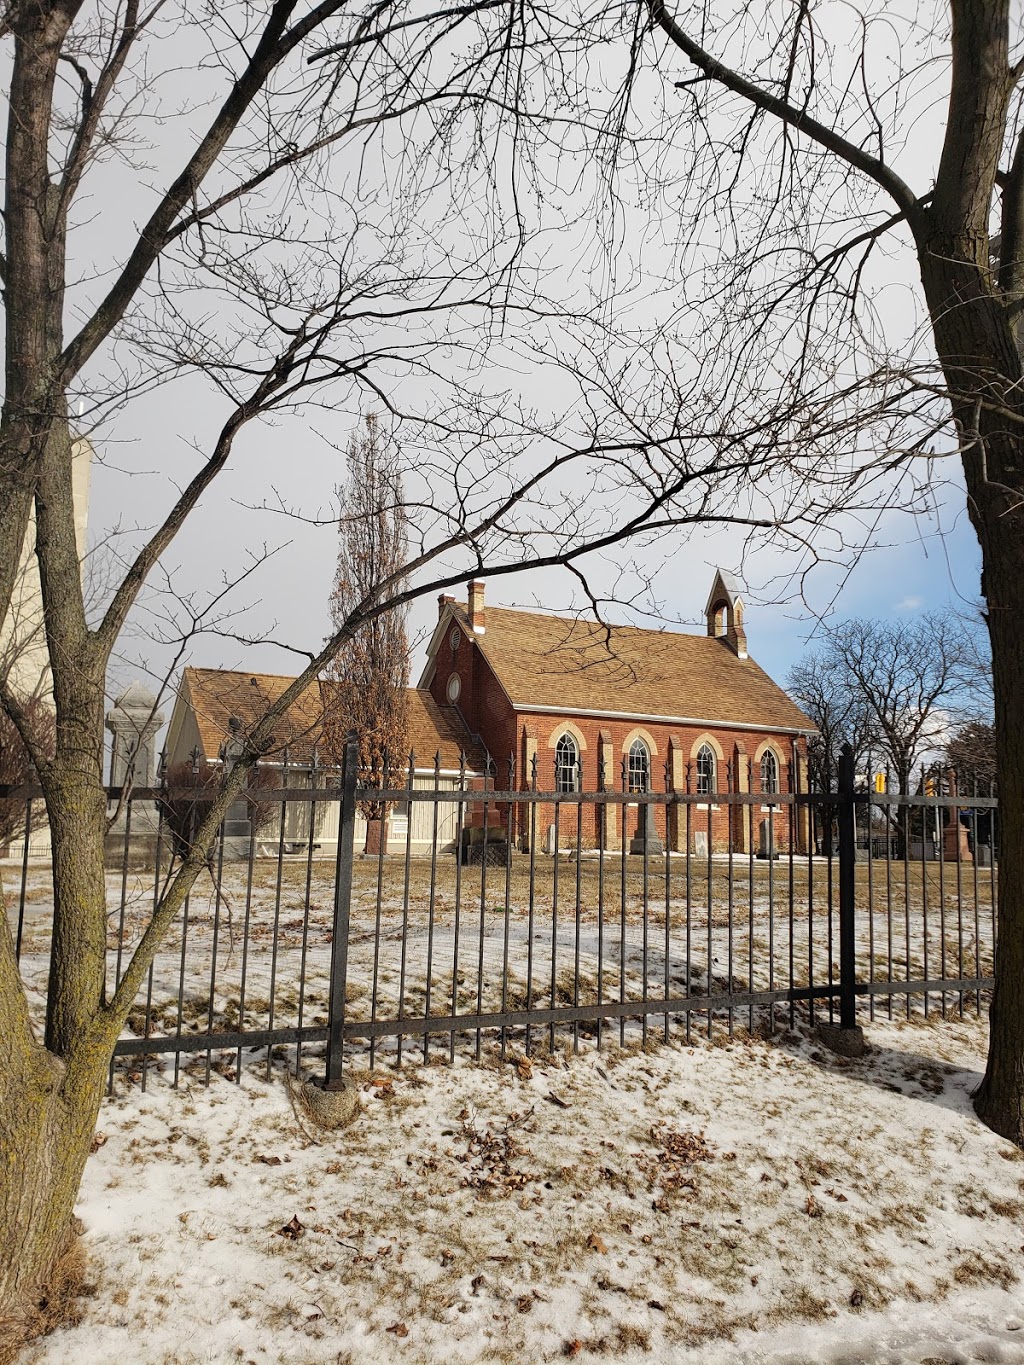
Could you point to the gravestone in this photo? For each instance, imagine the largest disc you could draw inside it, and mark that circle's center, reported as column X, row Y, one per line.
column 133, row 721
column 646, row 839
column 766, row 840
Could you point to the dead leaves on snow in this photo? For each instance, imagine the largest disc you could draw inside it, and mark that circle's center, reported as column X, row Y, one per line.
column 490, row 1157
column 672, row 1168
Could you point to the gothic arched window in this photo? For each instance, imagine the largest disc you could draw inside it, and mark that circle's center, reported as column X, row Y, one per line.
column 707, row 781
column 567, row 764
column 769, row 772
column 639, row 768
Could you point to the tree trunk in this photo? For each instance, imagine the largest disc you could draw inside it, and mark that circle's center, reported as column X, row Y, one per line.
column 48, row 1113
column 1000, row 1100
column 376, row 835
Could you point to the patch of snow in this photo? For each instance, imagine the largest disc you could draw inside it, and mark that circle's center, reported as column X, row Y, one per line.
column 741, row 1201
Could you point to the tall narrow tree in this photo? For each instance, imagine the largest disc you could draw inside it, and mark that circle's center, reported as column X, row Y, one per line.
column 367, row 681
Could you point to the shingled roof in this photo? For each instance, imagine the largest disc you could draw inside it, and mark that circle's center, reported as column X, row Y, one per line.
column 217, row 694
column 573, row 665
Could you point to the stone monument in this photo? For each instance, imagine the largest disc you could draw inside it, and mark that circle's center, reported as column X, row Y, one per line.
column 646, row 839
column 134, row 722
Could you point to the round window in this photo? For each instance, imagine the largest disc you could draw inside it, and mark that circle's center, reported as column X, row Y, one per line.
column 454, row 687
column 455, row 638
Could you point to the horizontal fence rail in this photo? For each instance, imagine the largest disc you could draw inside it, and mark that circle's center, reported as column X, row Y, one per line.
column 340, row 923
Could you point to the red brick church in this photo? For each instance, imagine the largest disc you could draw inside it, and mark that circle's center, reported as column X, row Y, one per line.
column 585, row 707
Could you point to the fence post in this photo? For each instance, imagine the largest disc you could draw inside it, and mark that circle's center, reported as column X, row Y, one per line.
column 846, row 1038
column 847, row 886
column 342, row 904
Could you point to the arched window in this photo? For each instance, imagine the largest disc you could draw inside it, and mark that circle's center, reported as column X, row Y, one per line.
column 639, row 769
column 567, row 764
column 707, row 782
column 769, row 772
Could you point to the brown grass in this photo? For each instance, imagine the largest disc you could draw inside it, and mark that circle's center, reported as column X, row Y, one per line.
column 58, row 1305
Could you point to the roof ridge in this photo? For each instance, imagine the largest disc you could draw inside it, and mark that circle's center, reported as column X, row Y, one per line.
column 538, row 615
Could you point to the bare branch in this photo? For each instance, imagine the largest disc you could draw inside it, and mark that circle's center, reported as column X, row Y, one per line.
column 794, row 118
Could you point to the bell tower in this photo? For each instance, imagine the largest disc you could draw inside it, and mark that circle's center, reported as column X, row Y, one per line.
column 725, row 613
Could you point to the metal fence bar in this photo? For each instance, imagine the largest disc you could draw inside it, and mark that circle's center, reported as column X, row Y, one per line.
column 304, row 950
column 24, row 880
column 343, row 868
column 250, row 867
column 407, row 875
column 276, row 929
column 217, row 884
column 507, row 910
column 847, row 892
column 460, row 831
column 432, row 903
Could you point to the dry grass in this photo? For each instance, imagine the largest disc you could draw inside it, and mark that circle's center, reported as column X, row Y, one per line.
column 58, row 1305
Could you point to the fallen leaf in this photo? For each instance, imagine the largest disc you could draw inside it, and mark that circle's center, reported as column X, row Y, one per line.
column 572, row 1348
column 399, row 1329
column 98, row 1141
column 552, row 1098
column 292, row 1230
column 596, row 1242
column 267, row 1160
column 856, row 1299
column 812, row 1208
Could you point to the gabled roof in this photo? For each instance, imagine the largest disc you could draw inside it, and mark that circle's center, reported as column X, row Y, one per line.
column 574, row 665
column 217, row 694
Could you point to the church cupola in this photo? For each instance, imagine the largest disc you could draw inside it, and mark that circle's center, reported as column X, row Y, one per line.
column 725, row 613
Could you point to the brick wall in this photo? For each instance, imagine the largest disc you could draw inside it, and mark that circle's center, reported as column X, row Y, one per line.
column 673, row 768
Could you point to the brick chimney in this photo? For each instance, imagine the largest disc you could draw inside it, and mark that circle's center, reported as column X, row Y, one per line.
column 477, row 615
column 443, row 600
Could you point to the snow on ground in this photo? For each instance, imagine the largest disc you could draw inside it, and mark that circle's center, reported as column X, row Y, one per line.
column 751, row 1200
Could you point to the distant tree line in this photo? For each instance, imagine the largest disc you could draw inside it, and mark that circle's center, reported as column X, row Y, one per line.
column 908, row 696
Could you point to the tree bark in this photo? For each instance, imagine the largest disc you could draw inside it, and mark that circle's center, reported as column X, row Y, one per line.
column 376, row 834
column 977, row 346
column 999, row 1101
column 48, row 1110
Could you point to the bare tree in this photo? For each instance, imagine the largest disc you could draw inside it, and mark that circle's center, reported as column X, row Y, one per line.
column 319, row 226
column 905, row 675
column 887, row 688
column 366, row 686
column 971, row 752
column 806, row 168
column 839, row 711
column 231, row 281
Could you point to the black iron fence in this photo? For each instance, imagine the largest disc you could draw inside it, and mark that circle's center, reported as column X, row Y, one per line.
column 515, row 928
